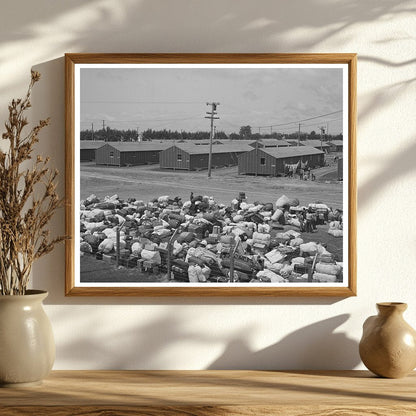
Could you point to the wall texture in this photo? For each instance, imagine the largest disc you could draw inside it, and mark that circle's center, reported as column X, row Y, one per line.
column 199, row 333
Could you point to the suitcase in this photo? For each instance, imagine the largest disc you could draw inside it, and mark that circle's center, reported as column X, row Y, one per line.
column 238, row 265
column 302, row 268
column 124, row 253
column 216, row 229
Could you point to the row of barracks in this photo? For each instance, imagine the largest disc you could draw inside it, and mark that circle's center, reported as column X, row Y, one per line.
column 261, row 157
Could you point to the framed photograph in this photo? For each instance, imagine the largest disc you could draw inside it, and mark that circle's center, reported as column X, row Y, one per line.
column 211, row 174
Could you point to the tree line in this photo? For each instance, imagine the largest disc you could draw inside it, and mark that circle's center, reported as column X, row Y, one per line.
column 245, row 133
column 110, row 135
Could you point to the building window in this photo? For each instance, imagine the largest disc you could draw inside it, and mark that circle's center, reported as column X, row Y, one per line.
column 262, row 161
column 179, row 157
column 111, row 154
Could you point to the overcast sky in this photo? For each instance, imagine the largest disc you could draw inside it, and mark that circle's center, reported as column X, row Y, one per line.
column 176, row 98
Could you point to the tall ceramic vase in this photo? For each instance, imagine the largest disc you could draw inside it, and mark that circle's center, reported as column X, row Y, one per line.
column 388, row 344
column 27, row 347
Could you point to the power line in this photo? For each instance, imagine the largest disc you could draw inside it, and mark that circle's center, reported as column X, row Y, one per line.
column 309, row 124
column 298, row 121
column 142, row 120
column 142, row 102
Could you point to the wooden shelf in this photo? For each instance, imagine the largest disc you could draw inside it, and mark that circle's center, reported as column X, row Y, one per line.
column 203, row 393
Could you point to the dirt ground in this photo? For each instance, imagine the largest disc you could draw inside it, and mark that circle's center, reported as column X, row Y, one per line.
column 147, row 182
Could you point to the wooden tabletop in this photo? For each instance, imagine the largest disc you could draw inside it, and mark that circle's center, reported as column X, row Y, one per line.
column 202, row 393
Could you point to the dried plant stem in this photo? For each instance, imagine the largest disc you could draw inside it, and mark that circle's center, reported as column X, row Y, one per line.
column 23, row 217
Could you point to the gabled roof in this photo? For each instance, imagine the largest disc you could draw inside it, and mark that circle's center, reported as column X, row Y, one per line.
column 138, row 146
column 193, row 149
column 294, row 142
column 90, row 144
column 197, row 142
column 283, row 143
column 242, row 141
column 337, row 142
column 315, row 143
column 283, row 152
column 272, row 142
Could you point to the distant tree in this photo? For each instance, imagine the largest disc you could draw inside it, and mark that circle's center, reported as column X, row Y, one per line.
column 245, row 132
column 234, row 136
column 220, row 135
column 294, row 136
column 86, row 135
column 313, row 133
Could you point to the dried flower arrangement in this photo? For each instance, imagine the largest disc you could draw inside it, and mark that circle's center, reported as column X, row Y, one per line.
column 28, row 199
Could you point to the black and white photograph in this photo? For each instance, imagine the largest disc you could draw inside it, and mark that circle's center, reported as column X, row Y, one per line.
column 206, row 175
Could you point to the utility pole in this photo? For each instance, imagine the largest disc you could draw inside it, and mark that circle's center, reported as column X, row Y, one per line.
column 211, row 116
column 92, row 131
column 322, row 128
column 105, row 137
column 299, row 135
column 257, row 153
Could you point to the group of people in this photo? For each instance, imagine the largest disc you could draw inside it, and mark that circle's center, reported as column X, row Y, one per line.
column 308, row 220
column 305, row 174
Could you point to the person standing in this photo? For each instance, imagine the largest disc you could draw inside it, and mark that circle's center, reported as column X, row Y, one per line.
column 301, row 221
column 309, row 221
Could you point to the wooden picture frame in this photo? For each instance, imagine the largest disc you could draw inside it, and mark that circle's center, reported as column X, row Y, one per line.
column 77, row 64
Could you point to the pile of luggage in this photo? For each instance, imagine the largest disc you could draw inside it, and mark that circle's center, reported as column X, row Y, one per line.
column 201, row 240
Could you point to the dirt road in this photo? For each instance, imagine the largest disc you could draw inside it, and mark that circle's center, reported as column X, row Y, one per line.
column 148, row 182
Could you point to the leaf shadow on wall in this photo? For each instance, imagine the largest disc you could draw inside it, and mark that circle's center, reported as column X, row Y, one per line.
column 394, row 168
column 141, row 346
column 153, row 345
column 140, row 26
column 313, row 347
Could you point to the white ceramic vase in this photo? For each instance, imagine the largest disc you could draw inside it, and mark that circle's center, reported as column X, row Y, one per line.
column 27, row 346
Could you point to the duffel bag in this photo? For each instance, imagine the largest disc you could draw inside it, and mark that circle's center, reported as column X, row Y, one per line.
column 226, row 239
column 333, row 269
column 336, row 233
column 180, row 263
column 173, row 223
column 185, row 237
column 92, row 240
column 238, row 265
column 242, row 277
column 282, row 201
column 323, row 277
column 196, row 260
column 208, row 216
column 178, row 217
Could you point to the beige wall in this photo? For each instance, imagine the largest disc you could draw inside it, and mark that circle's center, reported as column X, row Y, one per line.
column 196, row 333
